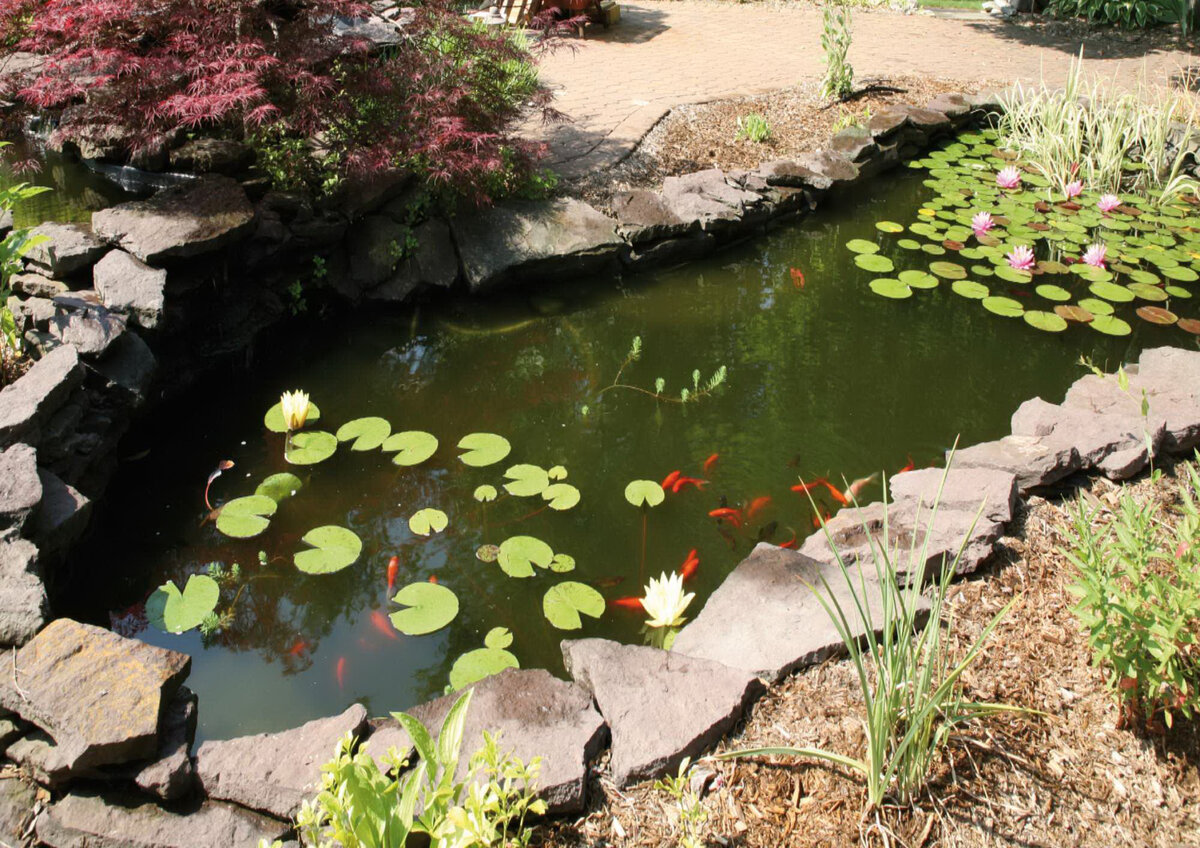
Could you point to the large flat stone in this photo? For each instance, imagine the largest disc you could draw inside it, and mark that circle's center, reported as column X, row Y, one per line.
column 787, row 629
column 1117, row 441
column 172, row 774
column 67, row 249
column 38, row 756
column 20, row 488
column 274, row 772
column 708, row 198
column 85, row 820
column 533, row 240
column 128, row 363
column 37, row 285
column 966, row 489
column 29, row 402
column 89, row 328
column 62, row 515
column 374, row 245
column 1031, row 460
column 18, row 806
column 23, row 606
column 98, row 694
column 661, row 706
column 644, row 216
column 178, row 223
column 130, row 287
column 1171, row 378
column 536, row 715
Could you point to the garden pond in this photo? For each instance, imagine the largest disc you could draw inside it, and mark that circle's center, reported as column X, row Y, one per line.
column 823, row 378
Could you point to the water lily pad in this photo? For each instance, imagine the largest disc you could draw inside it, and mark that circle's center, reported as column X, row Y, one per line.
column 1111, row 291
column 427, row 521
column 273, row 420
column 1012, row 275
column 526, row 480
column 429, row 607
column 333, row 549
column 557, row 472
column 1073, row 313
column 1096, row 306
column 279, row 487
column 1140, row 276
column 563, row 604
column 244, row 518
column 1110, row 325
column 1148, row 292
column 1047, row 322
column 889, row 287
column 177, row 612
column 367, row 433
column 311, row 447
column 474, row 666
column 562, row 563
column 874, row 262
column 970, row 289
column 1052, row 292
column 888, row 227
column 644, row 493
column 918, row 279
column 483, row 449
column 948, row 270
column 485, row 493
column 934, row 249
column 487, row 553
column 1190, row 325
column 1157, row 315
column 412, row 447
column 562, row 496
column 862, row 246
column 519, row 554
column 1178, row 291
column 1004, row 306
column 909, row 244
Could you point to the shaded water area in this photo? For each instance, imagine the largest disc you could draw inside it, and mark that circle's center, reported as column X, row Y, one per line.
column 825, row 379
column 75, row 191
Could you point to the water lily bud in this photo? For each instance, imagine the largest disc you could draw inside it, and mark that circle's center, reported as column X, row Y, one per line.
column 295, row 409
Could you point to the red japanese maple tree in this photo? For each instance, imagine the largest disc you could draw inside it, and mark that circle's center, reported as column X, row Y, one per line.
column 142, row 70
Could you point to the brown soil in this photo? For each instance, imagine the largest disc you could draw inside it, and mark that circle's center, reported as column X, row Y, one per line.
column 1068, row 777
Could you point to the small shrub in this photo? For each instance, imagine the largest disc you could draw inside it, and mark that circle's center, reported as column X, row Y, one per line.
column 753, row 127
column 1138, row 586
column 835, row 41
column 1129, row 14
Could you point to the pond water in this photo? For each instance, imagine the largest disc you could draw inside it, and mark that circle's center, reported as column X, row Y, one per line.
column 824, row 379
column 75, row 191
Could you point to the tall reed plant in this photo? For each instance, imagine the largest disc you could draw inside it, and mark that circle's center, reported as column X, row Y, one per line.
column 835, row 41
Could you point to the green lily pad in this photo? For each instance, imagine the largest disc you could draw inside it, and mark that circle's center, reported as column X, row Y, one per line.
column 1048, row 322
column 483, row 449
column 908, row 244
column 1111, row 291
column 948, row 270
column 1073, row 313
column 934, row 249
column 1148, row 292
column 1178, row 291
column 970, row 289
column 412, row 447
column 562, row 563
column 367, row 433
column 333, row 549
column 279, row 487
column 563, row 604
column 310, row 447
column 430, row 607
column 1139, row 276
column 862, row 246
column 273, row 420
column 1053, row 292
column 475, row 665
column 485, row 493
column 1012, row 275
column 427, row 521
column 519, row 554
column 244, row 518
column 557, row 472
column 1157, row 315
column 1096, row 306
column 177, row 612
column 888, row 227
column 918, row 279
column 644, row 493
column 487, row 553
column 889, row 287
column 874, row 263
column 1004, row 306
column 526, row 480
column 1110, row 325
column 562, row 496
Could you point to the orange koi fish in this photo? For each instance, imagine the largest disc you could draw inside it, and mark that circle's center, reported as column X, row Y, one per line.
column 433, row 578
column 835, row 493
column 817, row 520
column 790, row 543
column 688, row 481
column 627, row 603
column 689, row 565
column 910, row 465
column 670, row 479
column 710, row 462
column 758, row 504
column 797, row 278
column 379, row 622
column 855, row 488
column 733, row 516
column 804, row 488
column 298, row 648
column 393, row 568
column 341, row 672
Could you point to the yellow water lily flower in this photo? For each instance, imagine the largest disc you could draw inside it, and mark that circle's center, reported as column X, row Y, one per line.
column 295, row 409
column 665, row 601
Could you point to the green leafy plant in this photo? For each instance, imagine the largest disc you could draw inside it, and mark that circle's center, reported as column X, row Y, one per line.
column 835, row 42
column 911, row 685
column 15, row 245
column 1129, row 14
column 499, row 800
column 753, row 127
column 698, row 390
column 1138, row 584
column 849, row 118
column 692, row 814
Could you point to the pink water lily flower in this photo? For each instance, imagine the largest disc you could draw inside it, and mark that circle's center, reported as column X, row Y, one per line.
column 1010, row 177
column 1108, row 202
column 982, row 222
column 1074, row 189
column 1021, row 258
column 1095, row 255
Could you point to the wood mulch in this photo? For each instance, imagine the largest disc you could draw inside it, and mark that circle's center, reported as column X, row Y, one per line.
column 1066, row 775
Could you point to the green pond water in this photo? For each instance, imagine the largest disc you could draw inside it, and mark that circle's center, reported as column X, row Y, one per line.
column 827, row 379
column 75, row 192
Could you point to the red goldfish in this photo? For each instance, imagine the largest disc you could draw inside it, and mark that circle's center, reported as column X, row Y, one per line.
column 797, row 278
column 757, row 504
column 627, row 603
column 790, row 543
column 855, row 488
column 433, row 578
column 670, row 479
column 710, row 462
column 835, row 492
column 393, row 568
column 688, row 481
column 733, row 516
column 379, row 622
column 341, row 672
column 910, row 465
column 689, row 565
column 298, row 648
column 804, row 488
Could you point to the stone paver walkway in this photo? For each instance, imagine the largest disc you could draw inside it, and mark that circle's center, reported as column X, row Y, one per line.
column 617, row 84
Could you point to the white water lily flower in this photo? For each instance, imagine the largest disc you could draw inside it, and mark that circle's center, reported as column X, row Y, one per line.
column 295, row 409
column 665, row 601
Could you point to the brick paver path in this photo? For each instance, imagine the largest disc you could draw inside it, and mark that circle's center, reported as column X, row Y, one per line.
column 618, row 83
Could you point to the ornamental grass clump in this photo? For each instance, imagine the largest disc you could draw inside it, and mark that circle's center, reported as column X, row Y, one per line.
column 910, row 682
column 1138, row 584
